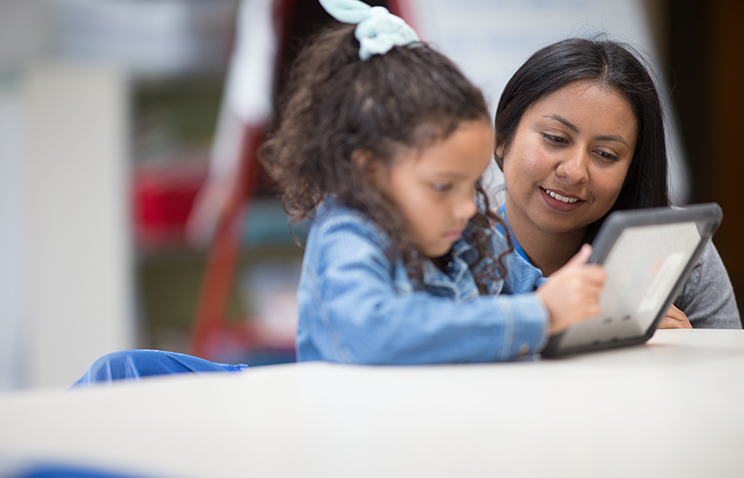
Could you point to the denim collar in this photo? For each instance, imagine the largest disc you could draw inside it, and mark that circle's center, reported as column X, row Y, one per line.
column 459, row 278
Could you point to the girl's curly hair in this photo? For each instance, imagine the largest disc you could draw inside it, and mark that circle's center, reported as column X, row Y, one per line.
column 335, row 105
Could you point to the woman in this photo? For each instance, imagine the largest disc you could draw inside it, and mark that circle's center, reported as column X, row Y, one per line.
column 579, row 134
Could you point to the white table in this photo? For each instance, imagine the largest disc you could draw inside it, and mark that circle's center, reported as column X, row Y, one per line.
column 671, row 407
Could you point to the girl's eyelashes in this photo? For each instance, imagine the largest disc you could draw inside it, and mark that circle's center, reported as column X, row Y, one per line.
column 441, row 187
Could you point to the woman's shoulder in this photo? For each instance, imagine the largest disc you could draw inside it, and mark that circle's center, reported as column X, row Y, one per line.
column 708, row 297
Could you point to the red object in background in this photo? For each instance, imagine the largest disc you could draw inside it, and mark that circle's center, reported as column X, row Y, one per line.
column 211, row 329
column 222, row 257
column 163, row 195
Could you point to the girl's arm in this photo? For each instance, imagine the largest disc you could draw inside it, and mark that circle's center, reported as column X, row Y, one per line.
column 351, row 311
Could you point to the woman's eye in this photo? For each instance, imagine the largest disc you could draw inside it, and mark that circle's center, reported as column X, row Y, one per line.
column 555, row 139
column 441, row 187
column 607, row 155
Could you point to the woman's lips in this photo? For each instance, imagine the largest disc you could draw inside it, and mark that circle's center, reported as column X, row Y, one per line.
column 561, row 201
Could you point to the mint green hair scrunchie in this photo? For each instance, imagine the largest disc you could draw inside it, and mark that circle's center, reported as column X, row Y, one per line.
column 377, row 29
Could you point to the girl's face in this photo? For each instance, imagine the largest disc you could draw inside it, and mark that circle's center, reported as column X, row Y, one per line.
column 434, row 188
column 568, row 159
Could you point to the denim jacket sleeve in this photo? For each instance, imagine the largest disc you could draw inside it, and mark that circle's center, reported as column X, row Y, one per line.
column 353, row 310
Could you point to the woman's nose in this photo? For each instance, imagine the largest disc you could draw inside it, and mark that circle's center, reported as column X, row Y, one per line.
column 573, row 167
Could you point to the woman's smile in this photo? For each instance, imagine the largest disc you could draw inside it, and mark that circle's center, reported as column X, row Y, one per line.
column 560, row 200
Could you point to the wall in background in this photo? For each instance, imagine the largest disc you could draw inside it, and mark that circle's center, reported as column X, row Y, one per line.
column 706, row 67
column 80, row 302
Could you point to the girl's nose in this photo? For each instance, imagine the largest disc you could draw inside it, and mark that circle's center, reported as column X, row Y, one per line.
column 573, row 167
column 465, row 208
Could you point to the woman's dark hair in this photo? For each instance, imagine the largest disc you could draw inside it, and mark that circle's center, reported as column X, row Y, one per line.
column 609, row 63
column 339, row 115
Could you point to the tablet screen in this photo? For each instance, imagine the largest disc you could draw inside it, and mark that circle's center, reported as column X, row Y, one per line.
column 642, row 269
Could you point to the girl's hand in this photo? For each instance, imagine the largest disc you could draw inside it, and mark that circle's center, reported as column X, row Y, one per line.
column 572, row 293
column 675, row 319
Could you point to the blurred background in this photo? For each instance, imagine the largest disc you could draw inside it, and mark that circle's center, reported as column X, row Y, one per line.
column 132, row 211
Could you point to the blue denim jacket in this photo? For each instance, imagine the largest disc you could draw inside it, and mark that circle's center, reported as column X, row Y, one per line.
column 355, row 306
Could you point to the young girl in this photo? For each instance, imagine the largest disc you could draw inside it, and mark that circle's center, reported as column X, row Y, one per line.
column 382, row 142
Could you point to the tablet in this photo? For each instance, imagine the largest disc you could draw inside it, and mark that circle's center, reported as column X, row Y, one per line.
column 648, row 255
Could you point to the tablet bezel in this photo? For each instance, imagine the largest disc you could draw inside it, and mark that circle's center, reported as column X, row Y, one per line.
column 707, row 216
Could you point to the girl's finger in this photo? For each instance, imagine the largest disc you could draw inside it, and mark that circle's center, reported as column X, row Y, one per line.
column 581, row 257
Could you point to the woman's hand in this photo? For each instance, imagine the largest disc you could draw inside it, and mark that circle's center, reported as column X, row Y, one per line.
column 675, row 319
column 572, row 293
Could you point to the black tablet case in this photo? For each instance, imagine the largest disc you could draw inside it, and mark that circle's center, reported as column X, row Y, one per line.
column 707, row 218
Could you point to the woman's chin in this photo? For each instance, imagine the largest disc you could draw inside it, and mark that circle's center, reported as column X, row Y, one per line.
column 559, row 227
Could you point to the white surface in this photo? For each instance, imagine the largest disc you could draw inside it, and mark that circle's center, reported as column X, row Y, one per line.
column 672, row 407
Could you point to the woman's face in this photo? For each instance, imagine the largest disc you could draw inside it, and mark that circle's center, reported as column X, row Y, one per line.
column 568, row 159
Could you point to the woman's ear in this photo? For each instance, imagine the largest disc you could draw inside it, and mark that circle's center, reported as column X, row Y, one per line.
column 498, row 155
column 499, row 150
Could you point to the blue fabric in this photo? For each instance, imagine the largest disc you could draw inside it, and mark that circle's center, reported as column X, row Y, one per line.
column 502, row 214
column 68, row 471
column 355, row 306
column 377, row 29
column 134, row 364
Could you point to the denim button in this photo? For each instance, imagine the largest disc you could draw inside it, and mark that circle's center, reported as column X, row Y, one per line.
column 523, row 349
